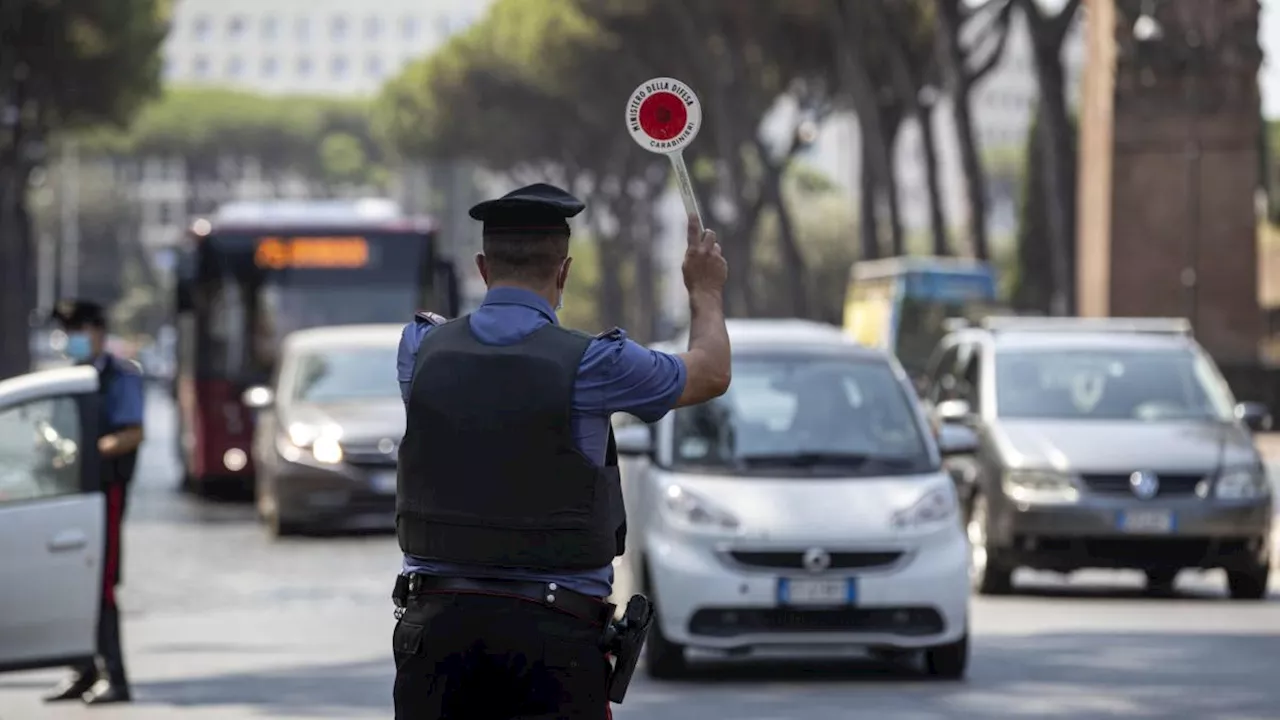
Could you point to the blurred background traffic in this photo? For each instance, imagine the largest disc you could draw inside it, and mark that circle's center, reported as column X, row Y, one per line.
column 224, row 174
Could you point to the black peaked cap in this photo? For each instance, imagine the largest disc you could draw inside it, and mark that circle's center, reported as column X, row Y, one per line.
column 537, row 209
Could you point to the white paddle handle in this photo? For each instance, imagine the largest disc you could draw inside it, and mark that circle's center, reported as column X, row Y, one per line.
column 686, row 188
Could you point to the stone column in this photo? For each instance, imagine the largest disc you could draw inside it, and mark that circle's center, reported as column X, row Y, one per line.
column 1169, row 168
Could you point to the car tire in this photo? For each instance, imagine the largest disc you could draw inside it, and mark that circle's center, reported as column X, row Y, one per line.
column 278, row 527
column 663, row 659
column 1249, row 584
column 987, row 574
column 949, row 661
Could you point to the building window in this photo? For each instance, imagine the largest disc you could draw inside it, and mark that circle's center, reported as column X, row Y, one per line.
column 200, row 66
column 373, row 66
column 338, row 27
column 304, row 66
column 338, row 66
column 235, row 27
column 408, row 27
column 201, row 28
column 302, row 28
column 269, row 28
column 268, row 66
column 235, row 66
column 372, row 27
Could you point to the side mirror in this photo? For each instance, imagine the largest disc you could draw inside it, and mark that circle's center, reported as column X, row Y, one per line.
column 1255, row 416
column 633, row 440
column 957, row 440
column 258, row 397
column 953, row 411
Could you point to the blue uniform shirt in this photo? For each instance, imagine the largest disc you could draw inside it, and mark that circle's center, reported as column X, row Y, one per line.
column 125, row 395
column 616, row 375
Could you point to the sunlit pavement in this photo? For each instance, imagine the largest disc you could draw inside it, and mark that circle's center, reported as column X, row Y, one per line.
column 223, row 623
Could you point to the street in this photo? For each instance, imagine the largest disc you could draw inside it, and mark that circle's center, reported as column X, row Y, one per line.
column 221, row 622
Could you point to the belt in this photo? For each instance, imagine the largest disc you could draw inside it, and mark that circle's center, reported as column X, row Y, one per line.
column 571, row 602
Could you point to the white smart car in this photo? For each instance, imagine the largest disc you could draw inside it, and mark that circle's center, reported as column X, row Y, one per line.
column 806, row 512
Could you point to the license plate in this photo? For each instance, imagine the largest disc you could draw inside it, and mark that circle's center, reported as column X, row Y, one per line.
column 384, row 483
column 1148, row 522
column 817, row 592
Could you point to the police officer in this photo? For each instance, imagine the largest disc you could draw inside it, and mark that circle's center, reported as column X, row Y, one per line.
column 120, row 434
column 509, row 509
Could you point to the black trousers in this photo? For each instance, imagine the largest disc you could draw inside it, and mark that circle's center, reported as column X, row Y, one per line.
column 110, row 656
column 477, row 657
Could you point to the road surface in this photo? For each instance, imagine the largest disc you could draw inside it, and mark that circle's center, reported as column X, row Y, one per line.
column 221, row 623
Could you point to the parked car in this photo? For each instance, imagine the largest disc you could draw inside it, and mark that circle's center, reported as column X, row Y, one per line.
column 805, row 511
column 328, row 431
column 1109, row 443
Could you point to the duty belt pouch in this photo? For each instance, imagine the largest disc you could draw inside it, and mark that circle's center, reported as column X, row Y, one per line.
column 400, row 594
column 624, row 639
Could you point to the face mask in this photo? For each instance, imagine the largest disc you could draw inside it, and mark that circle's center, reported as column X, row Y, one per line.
column 560, row 302
column 78, row 346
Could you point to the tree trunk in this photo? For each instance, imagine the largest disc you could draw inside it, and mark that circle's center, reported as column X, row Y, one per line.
column 892, row 124
column 869, row 223
column 937, row 214
column 794, row 268
column 1059, row 167
column 960, row 89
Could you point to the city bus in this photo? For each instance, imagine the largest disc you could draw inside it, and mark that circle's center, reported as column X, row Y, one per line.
column 902, row 304
column 254, row 272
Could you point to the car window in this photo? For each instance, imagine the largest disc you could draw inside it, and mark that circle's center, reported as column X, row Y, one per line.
column 789, row 407
column 39, row 450
column 348, row 374
column 1095, row 384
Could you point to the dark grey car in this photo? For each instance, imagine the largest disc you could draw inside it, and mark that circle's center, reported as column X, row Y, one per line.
column 1101, row 447
column 328, row 431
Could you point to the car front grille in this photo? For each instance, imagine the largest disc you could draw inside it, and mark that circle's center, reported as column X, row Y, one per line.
column 730, row 622
column 1178, row 485
column 368, row 456
column 794, row 559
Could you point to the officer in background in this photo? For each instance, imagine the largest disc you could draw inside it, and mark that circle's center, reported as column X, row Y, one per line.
column 120, row 434
column 508, row 510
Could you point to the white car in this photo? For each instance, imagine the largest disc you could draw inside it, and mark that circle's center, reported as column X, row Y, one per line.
column 51, row 518
column 806, row 512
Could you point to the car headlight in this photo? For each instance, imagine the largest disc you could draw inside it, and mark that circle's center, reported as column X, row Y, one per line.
column 322, row 441
column 1242, row 484
column 1042, row 486
column 935, row 506
column 326, row 449
column 696, row 512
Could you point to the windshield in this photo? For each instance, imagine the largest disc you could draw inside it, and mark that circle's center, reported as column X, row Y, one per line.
column 846, row 415
column 1066, row 384
column 346, row 375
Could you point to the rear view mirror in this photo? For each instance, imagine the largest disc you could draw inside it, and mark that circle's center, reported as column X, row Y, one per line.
column 633, row 440
column 953, row 411
column 957, row 440
column 1255, row 416
column 258, row 397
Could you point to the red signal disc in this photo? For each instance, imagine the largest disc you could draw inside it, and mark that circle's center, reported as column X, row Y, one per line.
column 663, row 116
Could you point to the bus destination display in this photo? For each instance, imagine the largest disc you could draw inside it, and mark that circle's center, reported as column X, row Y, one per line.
column 281, row 253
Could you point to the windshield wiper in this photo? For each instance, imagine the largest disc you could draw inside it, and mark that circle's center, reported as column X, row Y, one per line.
column 815, row 459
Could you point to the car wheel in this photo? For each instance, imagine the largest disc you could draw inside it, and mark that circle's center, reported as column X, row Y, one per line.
column 1249, row 584
column 987, row 574
column 663, row 659
column 1161, row 582
column 278, row 527
column 948, row 662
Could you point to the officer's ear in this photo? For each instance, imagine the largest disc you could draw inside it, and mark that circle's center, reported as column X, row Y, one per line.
column 482, row 264
column 563, row 276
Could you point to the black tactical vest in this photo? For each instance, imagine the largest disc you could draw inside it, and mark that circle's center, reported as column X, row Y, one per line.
column 117, row 469
column 489, row 473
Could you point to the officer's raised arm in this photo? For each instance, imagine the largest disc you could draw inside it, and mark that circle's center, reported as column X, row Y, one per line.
column 707, row 359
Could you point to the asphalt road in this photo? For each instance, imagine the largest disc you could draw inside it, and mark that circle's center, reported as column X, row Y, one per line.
column 223, row 623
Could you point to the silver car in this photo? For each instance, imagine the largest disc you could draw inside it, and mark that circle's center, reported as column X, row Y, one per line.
column 1103, row 444
column 328, row 431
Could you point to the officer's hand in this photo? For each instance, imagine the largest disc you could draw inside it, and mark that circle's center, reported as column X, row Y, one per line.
column 705, row 269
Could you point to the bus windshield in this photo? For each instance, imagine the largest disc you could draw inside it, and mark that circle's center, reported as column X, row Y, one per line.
column 249, row 298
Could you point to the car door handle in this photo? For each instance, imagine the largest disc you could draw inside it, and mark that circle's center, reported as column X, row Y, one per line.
column 67, row 540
